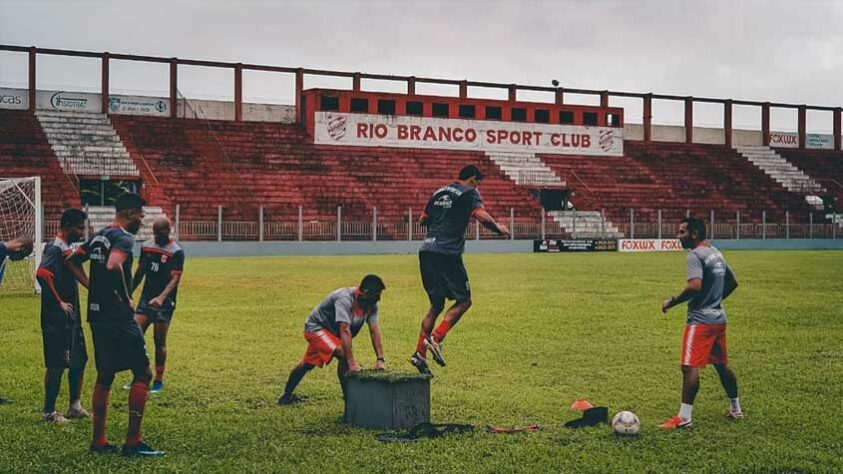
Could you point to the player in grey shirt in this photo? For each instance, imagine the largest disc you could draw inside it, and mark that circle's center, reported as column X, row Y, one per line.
column 710, row 281
column 330, row 328
column 446, row 216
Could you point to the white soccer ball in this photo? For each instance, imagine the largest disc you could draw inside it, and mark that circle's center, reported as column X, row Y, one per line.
column 626, row 423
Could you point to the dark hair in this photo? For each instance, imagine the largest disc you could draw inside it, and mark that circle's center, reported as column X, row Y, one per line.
column 372, row 284
column 695, row 226
column 471, row 171
column 129, row 201
column 72, row 217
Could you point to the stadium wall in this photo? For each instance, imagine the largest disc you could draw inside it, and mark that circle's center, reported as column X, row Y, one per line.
column 18, row 99
column 266, row 249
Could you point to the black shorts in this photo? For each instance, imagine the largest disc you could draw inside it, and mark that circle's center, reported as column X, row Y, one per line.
column 119, row 346
column 444, row 277
column 64, row 348
column 155, row 315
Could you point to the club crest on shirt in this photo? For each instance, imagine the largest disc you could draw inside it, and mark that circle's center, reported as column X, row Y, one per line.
column 444, row 201
column 163, row 259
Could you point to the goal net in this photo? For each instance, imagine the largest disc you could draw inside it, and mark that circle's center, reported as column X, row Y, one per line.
column 20, row 216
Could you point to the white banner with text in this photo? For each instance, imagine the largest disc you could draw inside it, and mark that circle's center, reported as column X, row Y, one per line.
column 334, row 128
column 648, row 245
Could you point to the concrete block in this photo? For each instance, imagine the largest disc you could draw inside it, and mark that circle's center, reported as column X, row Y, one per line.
column 387, row 400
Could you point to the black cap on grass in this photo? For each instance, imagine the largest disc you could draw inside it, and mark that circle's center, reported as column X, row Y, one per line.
column 591, row 417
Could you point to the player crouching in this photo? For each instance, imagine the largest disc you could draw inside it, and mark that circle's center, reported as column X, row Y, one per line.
column 330, row 328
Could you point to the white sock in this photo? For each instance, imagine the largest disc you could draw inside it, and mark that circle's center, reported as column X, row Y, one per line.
column 735, row 405
column 685, row 411
column 76, row 405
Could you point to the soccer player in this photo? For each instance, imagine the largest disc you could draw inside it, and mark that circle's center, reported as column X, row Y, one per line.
column 330, row 328
column 16, row 249
column 710, row 281
column 161, row 262
column 440, row 258
column 118, row 340
column 61, row 322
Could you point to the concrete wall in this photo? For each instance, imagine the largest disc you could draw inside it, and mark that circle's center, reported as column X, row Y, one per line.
column 747, row 138
column 633, row 131
column 263, row 249
column 257, row 249
column 779, row 244
column 222, row 110
column 711, row 136
column 668, row 133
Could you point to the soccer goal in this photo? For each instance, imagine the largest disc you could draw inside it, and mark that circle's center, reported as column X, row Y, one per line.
column 21, row 214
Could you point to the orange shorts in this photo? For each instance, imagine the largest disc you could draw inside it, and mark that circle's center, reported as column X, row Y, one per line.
column 704, row 344
column 320, row 347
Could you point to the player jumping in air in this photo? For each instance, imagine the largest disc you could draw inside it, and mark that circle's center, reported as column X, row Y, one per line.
column 161, row 262
column 118, row 340
column 330, row 328
column 710, row 281
column 61, row 322
column 440, row 258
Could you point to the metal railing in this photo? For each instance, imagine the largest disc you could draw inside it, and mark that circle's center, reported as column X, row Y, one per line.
column 529, row 226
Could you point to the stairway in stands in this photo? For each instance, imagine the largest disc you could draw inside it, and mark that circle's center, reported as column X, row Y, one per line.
column 527, row 169
column 789, row 176
column 87, row 145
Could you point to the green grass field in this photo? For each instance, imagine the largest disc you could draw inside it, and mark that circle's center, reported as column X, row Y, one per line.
column 544, row 330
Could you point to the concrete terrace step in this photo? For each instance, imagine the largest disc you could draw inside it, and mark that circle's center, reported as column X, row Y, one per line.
column 783, row 172
column 86, row 143
column 63, row 132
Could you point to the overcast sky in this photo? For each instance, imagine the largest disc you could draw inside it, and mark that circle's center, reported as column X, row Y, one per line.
column 757, row 50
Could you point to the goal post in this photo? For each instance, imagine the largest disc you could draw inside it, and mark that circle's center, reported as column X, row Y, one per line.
column 21, row 215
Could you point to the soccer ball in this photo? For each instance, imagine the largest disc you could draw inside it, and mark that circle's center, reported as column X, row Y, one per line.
column 626, row 423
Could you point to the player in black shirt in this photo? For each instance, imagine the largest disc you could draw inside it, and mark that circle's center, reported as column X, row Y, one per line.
column 161, row 262
column 61, row 321
column 118, row 340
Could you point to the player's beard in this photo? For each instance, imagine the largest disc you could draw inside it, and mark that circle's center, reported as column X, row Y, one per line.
column 687, row 244
column 133, row 227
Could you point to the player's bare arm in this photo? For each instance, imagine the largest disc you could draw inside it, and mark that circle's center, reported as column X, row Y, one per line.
column 171, row 286
column 486, row 220
column 377, row 344
column 115, row 265
column 730, row 283
column 78, row 272
column 46, row 277
column 19, row 248
column 138, row 278
column 348, row 355
column 694, row 286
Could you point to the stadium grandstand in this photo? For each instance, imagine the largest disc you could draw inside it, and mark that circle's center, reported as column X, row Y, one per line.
column 354, row 164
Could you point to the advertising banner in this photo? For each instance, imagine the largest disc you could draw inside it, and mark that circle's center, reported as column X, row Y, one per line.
column 137, row 105
column 16, row 99
column 649, row 245
column 68, row 101
column 791, row 140
column 333, row 128
column 575, row 245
